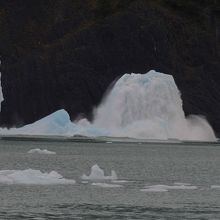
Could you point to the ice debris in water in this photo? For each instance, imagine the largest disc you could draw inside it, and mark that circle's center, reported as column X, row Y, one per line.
column 32, row 177
column 39, row 151
column 98, row 174
column 107, row 185
column 166, row 188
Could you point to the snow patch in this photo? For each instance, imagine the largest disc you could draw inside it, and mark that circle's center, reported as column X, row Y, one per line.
column 121, row 181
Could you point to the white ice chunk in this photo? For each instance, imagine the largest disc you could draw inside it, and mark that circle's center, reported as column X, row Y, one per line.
column 121, row 181
column 39, row 151
column 84, row 182
column 32, row 177
column 98, row 174
column 107, row 185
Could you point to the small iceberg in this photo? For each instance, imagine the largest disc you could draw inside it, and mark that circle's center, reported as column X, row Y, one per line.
column 32, row 177
column 107, row 185
column 39, row 151
column 166, row 188
column 121, row 181
column 98, row 174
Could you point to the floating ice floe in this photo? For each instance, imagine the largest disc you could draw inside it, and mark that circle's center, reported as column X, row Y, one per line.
column 107, row 185
column 39, row 151
column 32, row 177
column 98, row 174
column 215, row 187
column 166, row 188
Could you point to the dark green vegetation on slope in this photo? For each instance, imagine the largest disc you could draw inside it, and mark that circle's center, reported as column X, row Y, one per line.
column 64, row 54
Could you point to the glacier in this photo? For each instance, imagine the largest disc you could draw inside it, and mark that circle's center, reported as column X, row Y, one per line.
column 143, row 106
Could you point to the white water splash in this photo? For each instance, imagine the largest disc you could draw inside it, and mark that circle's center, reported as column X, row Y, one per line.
column 145, row 106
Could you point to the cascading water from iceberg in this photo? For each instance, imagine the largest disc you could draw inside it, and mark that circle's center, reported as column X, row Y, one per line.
column 146, row 106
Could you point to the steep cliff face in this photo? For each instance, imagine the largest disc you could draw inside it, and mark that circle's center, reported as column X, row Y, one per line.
column 65, row 54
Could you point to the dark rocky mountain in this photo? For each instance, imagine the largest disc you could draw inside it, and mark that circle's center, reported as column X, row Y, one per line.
column 64, row 54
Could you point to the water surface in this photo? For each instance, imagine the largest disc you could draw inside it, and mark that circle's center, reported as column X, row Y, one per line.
column 140, row 164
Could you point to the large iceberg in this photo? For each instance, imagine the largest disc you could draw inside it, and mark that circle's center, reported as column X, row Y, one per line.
column 145, row 106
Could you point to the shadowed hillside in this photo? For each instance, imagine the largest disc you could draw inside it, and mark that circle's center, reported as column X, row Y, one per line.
column 64, row 54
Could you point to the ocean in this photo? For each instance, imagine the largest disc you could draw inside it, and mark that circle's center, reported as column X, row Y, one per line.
column 155, row 180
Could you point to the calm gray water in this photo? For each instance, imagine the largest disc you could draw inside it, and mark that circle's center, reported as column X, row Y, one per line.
column 139, row 164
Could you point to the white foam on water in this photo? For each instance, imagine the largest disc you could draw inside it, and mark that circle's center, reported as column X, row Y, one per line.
column 215, row 187
column 98, row 174
column 144, row 106
column 106, row 185
column 39, row 151
column 166, row 188
column 32, row 177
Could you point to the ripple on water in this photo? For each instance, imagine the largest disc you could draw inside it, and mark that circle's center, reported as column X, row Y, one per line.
column 92, row 211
